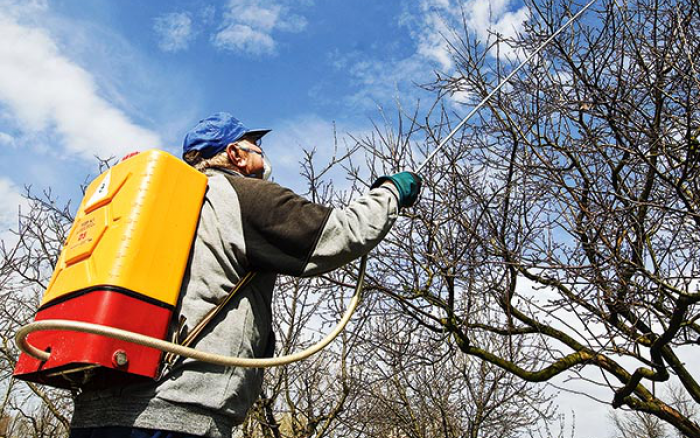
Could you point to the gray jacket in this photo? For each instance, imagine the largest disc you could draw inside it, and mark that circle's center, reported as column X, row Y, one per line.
column 245, row 224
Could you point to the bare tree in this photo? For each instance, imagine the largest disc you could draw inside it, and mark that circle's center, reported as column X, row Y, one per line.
column 638, row 425
column 26, row 265
column 564, row 222
column 416, row 387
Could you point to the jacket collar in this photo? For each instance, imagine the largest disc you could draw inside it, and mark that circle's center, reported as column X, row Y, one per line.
column 225, row 170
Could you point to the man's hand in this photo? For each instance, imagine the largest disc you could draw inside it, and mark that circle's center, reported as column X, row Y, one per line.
column 407, row 183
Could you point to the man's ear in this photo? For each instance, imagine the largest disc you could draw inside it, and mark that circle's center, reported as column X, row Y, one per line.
column 235, row 156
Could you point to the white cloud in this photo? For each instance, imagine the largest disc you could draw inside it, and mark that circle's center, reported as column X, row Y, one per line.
column 45, row 91
column 243, row 38
column 292, row 23
column 383, row 81
column 174, row 31
column 511, row 23
column 6, row 140
column 431, row 40
column 433, row 25
column 249, row 26
column 255, row 13
column 18, row 8
column 462, row 95
column 483, row 17
column 486, row 17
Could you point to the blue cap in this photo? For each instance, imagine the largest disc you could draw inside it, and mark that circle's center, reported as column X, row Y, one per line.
column 211, row 135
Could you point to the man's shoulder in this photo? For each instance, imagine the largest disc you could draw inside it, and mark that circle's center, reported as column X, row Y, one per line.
column 247, row 187
column 254, row 196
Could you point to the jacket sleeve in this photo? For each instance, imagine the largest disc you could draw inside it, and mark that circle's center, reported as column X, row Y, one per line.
column 353, row 231
column 285, row 233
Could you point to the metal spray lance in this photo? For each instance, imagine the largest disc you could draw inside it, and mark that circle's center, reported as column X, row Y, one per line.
column 501, row 84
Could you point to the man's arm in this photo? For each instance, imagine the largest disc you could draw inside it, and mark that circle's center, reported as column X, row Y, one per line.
column 286, row 233
column 353, row 231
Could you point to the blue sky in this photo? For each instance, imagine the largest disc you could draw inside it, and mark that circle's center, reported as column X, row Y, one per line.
column 80, row 79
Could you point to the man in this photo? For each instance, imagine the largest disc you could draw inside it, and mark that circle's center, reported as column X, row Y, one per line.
column 246, row 224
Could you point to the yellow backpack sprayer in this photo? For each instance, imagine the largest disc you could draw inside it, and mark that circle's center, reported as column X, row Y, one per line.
column 121, row 266
column 105, row 315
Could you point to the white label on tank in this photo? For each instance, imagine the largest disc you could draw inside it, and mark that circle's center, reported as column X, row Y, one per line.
column 101, row 192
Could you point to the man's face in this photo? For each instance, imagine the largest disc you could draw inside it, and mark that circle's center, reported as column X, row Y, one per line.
column 250, row 157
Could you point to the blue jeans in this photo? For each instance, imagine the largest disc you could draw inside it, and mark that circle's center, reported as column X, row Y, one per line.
column 124, row 432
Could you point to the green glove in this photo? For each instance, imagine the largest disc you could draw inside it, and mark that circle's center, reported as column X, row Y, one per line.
column 408, row 185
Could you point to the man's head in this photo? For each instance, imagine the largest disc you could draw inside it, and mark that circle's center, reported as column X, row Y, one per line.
column 221, row 140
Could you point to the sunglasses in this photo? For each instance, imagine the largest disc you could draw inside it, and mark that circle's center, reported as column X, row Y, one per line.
column 247, row 149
